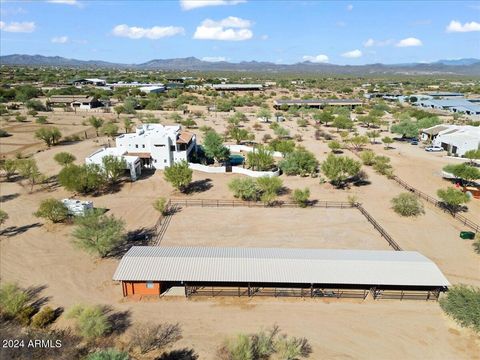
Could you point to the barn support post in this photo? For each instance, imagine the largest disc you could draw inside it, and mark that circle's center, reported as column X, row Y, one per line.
column 249, row 291
column 186, row 290
column 311, row 290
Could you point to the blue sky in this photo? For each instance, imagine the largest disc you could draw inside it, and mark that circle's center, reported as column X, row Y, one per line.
column 338, row 32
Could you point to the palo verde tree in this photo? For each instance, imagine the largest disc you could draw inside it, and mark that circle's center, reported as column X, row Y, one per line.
column 269, row 187
column 9, row 167
column 407, row 204
column 299, row 162
column 462, row 303
column 3, row 217
column 214, row 148
column 452, row 198
column 64, row 158
column 53, row 210
column 28, row 169
column 113, row 168
column 98, row 233
column 84, row 179
column 301, row 197
column 50, row 135
column 91, row 321
column 463, row 171
column 339, row 168
column 179, row 175
column 96, row 122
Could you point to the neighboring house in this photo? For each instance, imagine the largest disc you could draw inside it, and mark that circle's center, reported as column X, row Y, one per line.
column 457, row 140
column 94, row 82
column 153, row 89
column 235, row 87
column 457, row 105
column 151, row 145
column 82, row 102
column 317, row 103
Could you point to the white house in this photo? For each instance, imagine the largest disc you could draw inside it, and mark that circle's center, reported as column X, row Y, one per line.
column 151, row 145
column 457, row 140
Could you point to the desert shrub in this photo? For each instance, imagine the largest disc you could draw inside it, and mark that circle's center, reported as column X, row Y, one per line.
column 148, row 337
column 244, row 188
column 108, row 354
column 300, row 197
column 64, row 158
column 462, row 303
column 382, row 166
column 261, row 159
column 9, row 167
column 12, row 300
column 4, row 133
column 367, row 157
column 28, row 169
column 269, row 188
column 113, row 168
column 179, row 175
column 50, row 135
column 161, row 205
column 407, row 204
column 264, row 345
column 41, row 119
column 53, row 210
column 91, row 321
column 24, row 317
column 98, row 233
column 43, row 318
column 335, row 146
column 299, row 162
column 3, row 216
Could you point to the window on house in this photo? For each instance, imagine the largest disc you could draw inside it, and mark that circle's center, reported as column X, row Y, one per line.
column 143, row 146
column 172, row 148
column 164, row 160
column 149, row 284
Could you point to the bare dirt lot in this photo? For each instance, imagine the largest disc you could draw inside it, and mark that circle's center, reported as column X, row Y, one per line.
column 320, row 228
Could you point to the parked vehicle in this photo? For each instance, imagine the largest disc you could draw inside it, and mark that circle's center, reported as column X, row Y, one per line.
column 433, row 148
column 414, row 142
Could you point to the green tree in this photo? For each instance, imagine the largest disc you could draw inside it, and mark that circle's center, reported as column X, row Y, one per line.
column 110, row 129
column 260, row 159
column 83, row 179
column 299, row 162
column 264, row 114
column 244, row 188
column 12, row 300
column 179, row 175
column 342, row 122
column 98, row 233
column 189, row 123
column 282, row 146
column 91, row 321
column 323, row 117
column 28, row 169
column 463, row 171
column 339, row 168
column 472, row 155
column 43, row 318
column 214, row 148
column 407, row 204
column 9, row 167
column 406, row 127
column 64, row 158
column 53, row 210
column 301, row 197
column 462, row 303
column 108, row 354
column 281, row 132
column 119, row 109
column 96, row 122
column 113, row 168
column 387, row 141
column 453, row 198
column 239, row 134
column 50, row 135
column 176, row 117
column 374, row 134
column 127, row 124
column 358, row 141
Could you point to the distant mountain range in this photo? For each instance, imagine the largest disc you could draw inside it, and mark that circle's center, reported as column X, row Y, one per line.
column 469, row 67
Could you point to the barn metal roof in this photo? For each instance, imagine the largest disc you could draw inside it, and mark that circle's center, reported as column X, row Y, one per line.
column 317, row 101
column 279, row 265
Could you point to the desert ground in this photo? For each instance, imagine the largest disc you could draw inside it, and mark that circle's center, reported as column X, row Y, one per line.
column 34, row 253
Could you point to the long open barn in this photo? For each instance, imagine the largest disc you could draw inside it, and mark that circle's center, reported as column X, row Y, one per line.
column 317, row 103
column 150, row 270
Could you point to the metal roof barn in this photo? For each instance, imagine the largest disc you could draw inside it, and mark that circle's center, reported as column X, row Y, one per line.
column 278, row 265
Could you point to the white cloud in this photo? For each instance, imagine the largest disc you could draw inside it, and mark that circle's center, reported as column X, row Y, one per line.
column 349, row 7
column 19, row 27
column 264, row 37
column 408, row 42
column 59, row 39
column 194, row 4
column 155, row 32
column 457, row 26
column 321, row 58
column 64, row 2
column 371, row 42
column 214, row 58
column 352, row 54
column 231, row 29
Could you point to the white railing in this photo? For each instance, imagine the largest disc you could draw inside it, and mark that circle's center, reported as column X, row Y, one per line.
column 244, row 148
column 235, row 170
